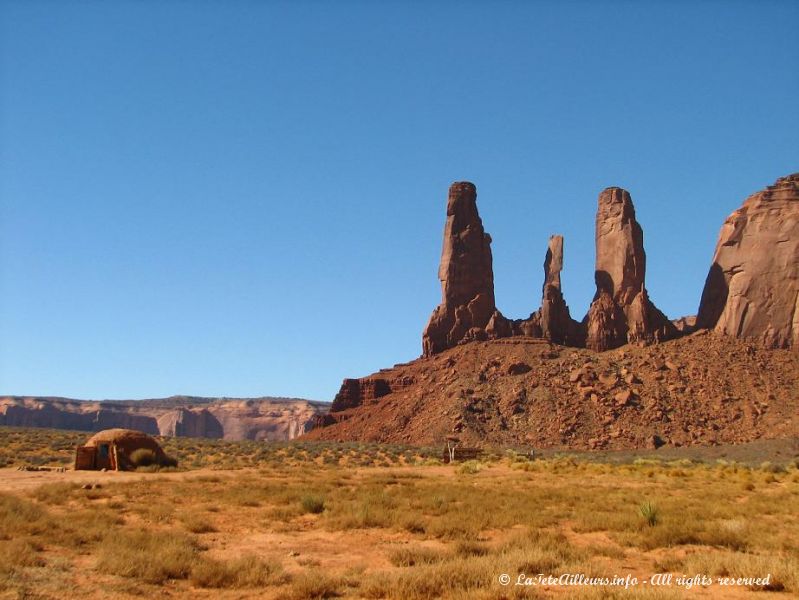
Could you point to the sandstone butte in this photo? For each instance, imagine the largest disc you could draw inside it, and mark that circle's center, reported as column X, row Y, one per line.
column 752, row 289
column 623, row 377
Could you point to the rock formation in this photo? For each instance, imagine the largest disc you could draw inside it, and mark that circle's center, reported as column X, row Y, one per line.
column 621, row 312
column 553, row 317
column 467, row 278
column 355, row 392
column 752, row 289
column 276, row 419
column 184, row 422
column 552, row 321
column 700, row 389
column 686, row 324
column 553, row 262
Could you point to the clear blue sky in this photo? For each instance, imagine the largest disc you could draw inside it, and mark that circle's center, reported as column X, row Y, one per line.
column 247, row 198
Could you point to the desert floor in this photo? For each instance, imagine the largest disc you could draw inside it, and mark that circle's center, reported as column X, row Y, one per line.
column 324, row 521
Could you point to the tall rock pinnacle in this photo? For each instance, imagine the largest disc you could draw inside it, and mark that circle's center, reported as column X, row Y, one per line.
column 553, row 262
column 553, row 317
column 752, row 289
column 621, row 311
column 467, row 277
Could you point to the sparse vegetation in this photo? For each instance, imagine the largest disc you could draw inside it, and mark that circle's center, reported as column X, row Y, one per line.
column 248, row 571
column 313, row 504
column 410, row 557
column 54, row 447
column 649, row 511
column 470, row 467
column 142, row 457
column 151, row 556
column 412, row 530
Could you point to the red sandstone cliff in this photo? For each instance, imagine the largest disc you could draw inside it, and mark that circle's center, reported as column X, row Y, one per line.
column 752, row 289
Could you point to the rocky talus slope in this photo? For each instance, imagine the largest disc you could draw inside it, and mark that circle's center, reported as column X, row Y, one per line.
column 703, row 388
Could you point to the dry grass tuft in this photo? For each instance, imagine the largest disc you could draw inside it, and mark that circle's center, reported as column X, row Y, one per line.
column 245, row 572
column 314, row 584
column 152, row 556
column 411, row 557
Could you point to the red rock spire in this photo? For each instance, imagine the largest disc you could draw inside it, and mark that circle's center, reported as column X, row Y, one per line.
column 621, row 311
column 466, row 274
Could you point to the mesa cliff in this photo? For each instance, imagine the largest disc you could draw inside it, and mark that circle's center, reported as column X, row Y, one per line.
column 625, row 376
column 272, row 419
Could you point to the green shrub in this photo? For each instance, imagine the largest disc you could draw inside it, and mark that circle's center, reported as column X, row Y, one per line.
column 143, row 457
column 470, row 467
column 649, row 512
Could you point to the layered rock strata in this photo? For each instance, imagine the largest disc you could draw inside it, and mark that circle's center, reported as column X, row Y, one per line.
column 276, row 419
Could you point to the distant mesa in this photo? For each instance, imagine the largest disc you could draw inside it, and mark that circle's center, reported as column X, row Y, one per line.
column 272, row 419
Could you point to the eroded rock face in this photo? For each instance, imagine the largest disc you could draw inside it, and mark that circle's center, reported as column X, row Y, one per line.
column 686, row 324
column 183, row 422
column 621, row 312
column 553, row 320
column 553, row 261
column 752, row 289
column 355, row 392
column 620, row 256
column 274, row 419
column 467, row 277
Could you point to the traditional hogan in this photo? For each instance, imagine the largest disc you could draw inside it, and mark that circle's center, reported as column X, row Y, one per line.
column 114, row 449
